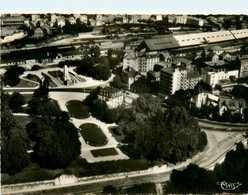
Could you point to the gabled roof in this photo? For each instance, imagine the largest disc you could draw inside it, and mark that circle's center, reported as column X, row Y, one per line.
column 130, row 55
column 130, row 72
column 160, row 43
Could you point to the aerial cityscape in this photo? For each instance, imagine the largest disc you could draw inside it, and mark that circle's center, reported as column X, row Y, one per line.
column 124, row 103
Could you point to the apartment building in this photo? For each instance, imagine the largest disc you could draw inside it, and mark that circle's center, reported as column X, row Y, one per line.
column 131, row 60
column 169, row 80
column 212, row 78
column 147, row 61
column 243, row 72
column 173, row 79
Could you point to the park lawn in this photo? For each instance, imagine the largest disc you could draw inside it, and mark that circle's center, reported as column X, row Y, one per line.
column 33, row 77
column 23, row 120
column 24, row 83
column 104, row 152
column 93, row 135
column 51, row 83
column 77, row 109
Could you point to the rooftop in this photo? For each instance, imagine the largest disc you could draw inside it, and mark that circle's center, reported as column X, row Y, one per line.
column 161, row 43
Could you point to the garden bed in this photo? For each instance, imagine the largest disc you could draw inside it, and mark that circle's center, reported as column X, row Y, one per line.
column 104, row 152
column 77, row 109
column 93, row 135
column 24, row 83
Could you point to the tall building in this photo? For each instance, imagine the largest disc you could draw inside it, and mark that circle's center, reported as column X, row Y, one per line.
column 147, row 61
column 169, row 81
column 243, row 72
column 173, row 79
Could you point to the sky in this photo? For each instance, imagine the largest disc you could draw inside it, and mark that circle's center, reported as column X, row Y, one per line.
column 126, row 6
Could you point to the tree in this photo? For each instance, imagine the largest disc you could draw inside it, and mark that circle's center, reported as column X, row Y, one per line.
column 92, row 97
column 14, row 142
column 110, row 53
column 117, row 83
column 11, row 76
column 41, row 104
column 57, row 145
column 56, row 139
column 101, row 72
column 140, row 86
column 16, row 101
column 35, row 67
column 99, row 108
column 104, row 61
column 85, row 66
column 193, row 179
column 177, row 134
column 95, row 51
column 113, row 62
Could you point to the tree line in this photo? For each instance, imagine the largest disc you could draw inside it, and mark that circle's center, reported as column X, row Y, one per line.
column 50, row 137
column 194, row 179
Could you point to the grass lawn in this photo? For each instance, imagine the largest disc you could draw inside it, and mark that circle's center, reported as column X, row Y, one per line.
column 51, row 83
column 23, row 120
column 77, row 109
column 32, row 77
column 104, row 152
column 24, row 83
column 93, row 134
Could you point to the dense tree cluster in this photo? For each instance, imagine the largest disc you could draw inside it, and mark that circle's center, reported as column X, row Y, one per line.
column 74, row 29
column 11, row 76
column 88, row 67
column 194, row 179
column 56, row 139
column 118, row 83
column 177, row 134
column 116, row 52
column 145, row 85
column 16, row 102
column 14, row 141
column 99, row 108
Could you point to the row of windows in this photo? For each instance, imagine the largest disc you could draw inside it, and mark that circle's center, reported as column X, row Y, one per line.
column 240, row 33
column 212, row 36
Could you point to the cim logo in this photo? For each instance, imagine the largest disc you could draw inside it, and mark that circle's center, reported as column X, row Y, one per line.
column 228, row 185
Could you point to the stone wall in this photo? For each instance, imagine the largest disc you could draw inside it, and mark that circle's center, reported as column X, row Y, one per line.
column 67, row 180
